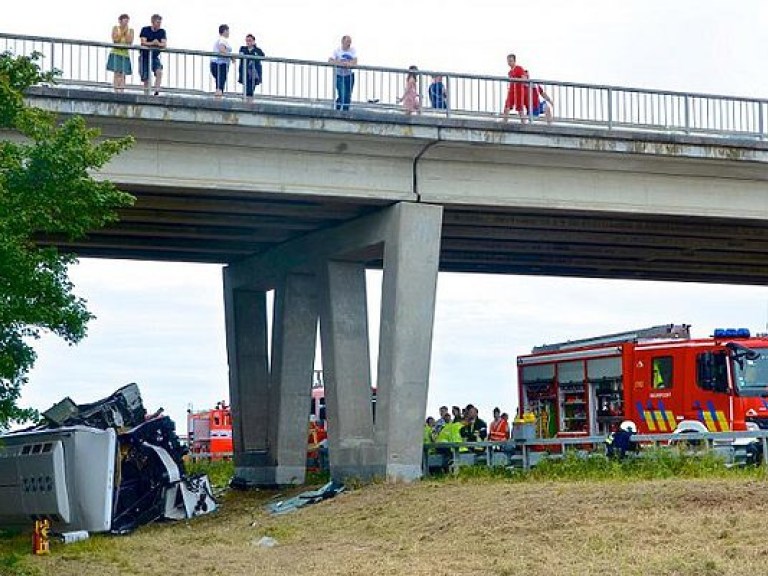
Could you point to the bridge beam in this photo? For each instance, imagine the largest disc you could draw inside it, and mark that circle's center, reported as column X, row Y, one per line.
column 409, row 235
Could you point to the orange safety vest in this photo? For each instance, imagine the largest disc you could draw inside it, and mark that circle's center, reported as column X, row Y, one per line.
column 498, row 432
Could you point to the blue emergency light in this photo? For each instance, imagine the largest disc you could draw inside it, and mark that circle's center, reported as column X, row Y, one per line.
column 732, row 333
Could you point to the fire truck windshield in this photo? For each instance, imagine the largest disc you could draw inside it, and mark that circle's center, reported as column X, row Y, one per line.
column 750, row 369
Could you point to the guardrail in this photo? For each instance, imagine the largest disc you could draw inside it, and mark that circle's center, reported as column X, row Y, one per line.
column 519, row 452
column 312, row 83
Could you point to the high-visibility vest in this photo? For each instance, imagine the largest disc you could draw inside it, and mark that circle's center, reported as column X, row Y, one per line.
column 451, row 433
column 498, row 432
column 427, row 434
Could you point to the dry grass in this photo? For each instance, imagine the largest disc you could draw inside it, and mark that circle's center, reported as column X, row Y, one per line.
column 480, row 526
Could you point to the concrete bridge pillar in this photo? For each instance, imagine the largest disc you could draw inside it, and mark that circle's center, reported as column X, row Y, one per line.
column 270, row 405
column 270, row 401
column 347, row 372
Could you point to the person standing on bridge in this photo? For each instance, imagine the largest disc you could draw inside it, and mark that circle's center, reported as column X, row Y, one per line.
column 119, row 61
column 344, row 58
column 410, row 99
column 250, row 68
column 152, row 37
column 516, row 89
column 538, row 102
column 220, row 62
column 438, row 96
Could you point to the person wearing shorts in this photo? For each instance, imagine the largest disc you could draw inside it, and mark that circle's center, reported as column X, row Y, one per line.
column 119, row 61
column 153, row 37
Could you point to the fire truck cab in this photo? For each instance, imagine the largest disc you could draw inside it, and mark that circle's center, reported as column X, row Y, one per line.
column 659, row 378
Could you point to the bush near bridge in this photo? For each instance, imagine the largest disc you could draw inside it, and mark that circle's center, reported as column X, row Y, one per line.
column 47, row 192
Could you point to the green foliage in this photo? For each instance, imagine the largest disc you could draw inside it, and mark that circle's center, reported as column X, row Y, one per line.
column 47, row 194
column 655, row 463
column 220, row 472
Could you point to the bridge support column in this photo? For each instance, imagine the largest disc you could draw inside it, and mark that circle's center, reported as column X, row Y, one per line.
column 411, row 258
column 406, row 239
column 246, row 324
column 270, row 406
column 347, row 373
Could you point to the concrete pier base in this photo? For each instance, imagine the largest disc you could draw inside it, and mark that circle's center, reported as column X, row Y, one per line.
column 322, row 276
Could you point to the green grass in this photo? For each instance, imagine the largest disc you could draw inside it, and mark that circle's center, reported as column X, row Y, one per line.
column 219, row 472
column 654, row 464
column 15, row 550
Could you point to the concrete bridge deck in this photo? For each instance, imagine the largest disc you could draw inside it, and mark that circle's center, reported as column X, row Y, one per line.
column 217, row 181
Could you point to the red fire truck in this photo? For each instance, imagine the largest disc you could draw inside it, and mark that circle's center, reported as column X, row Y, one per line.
column 659, row 378
column 210, row 432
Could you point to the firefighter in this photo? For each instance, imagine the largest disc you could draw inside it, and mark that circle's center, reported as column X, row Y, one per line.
column 317, row 446
column 620, row 442
column 499, row 428
column 429, row 430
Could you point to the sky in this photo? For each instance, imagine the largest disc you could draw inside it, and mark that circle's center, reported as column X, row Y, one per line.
column 162, row 325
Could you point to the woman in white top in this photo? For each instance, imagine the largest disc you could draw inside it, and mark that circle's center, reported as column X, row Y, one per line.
column 220, row 63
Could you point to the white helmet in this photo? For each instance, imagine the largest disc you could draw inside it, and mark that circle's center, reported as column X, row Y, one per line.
column 628, row 426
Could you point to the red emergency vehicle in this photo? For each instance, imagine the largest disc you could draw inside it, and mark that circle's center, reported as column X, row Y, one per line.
column 659, row 378
column 210, row 432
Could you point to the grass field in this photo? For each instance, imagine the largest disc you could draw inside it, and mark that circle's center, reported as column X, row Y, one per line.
column 694, row 520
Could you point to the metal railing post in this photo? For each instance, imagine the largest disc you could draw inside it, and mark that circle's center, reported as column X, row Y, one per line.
column 447, row 96
column 764, row 440
column 760, row 125
column 687, row 111
column 53, row 56
column 610, row 108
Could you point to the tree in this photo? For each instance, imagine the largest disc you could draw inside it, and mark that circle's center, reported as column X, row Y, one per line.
column 47, row 191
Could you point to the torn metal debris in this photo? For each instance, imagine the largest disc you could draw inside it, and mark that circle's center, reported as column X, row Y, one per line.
column 305, row 498
column 99, row 467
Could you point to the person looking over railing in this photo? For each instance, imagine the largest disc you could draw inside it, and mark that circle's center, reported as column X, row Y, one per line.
column 119, row 61
column 538, row 102
column 250, row 72
column 152, row 36
column 344, row 58
column 438, row 96
column 220, row 63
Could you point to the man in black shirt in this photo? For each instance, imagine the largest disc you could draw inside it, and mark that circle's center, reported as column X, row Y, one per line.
column 152, row 36
column 476, row 430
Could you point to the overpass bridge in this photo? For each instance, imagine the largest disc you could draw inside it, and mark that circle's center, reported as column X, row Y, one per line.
column 293, row 196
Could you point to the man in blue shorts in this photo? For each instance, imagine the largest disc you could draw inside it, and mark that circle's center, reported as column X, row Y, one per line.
column 152, row 37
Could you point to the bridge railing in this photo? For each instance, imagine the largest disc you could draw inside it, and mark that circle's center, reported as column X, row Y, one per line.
column 312, row 83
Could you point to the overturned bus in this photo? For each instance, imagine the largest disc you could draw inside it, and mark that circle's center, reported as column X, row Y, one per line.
column 99, row 467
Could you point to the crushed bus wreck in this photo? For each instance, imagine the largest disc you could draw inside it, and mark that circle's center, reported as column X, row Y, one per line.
column 99, row 467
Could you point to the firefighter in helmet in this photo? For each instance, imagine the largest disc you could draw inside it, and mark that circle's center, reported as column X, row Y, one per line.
column 620, row 442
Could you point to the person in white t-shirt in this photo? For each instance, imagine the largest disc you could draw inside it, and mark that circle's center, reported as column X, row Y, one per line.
column 220, row 63
column 345, row 59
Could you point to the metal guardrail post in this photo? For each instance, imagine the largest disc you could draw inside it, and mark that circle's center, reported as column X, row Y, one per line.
column 760, row 120
column 764, row 441
column 687, row 114
column 53, row 56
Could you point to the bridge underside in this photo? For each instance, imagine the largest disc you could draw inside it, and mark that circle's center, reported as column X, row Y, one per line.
column 225, row 227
